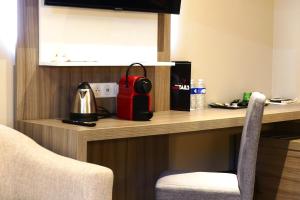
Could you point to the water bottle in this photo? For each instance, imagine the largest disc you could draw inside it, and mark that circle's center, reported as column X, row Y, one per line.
column 200, row 96
column 193, row 95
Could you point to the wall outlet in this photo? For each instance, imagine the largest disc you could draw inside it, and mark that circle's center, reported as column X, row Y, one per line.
column 105, row 90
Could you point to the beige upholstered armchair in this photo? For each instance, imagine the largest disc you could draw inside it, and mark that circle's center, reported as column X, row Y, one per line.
column 31, row 172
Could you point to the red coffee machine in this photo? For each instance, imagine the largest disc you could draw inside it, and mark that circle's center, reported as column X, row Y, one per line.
column 134, row 101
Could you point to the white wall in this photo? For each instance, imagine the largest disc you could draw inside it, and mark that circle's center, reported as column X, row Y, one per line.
column 230, row 45
column 8, row 32
column 6, row 89
column 286, row 58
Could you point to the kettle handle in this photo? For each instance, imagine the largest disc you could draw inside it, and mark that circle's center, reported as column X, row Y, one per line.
column 132, row 65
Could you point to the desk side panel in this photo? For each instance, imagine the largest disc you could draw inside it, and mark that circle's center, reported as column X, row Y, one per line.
column 61, row 141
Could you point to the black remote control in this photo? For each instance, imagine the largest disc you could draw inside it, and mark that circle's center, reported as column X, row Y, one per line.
column 88, row 124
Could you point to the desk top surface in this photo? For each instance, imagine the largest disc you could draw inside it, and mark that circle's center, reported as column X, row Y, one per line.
column 168, row 122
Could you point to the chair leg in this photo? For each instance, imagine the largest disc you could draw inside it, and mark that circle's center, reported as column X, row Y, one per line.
column 234, row 152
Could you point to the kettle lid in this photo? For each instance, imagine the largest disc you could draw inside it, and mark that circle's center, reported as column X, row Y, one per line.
column 84, row 85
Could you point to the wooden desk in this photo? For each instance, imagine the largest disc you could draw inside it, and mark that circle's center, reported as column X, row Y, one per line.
column 122, row 145
column 166, row 122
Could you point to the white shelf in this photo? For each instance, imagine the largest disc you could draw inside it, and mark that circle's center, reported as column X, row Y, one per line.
column 99, row 64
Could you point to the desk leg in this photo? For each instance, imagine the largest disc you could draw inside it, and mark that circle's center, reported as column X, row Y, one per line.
column 136, row 163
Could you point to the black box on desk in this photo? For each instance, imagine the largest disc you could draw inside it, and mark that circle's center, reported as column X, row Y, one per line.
column 180, row 86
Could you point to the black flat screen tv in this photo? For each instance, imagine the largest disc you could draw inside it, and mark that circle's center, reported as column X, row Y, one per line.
column 158, row 6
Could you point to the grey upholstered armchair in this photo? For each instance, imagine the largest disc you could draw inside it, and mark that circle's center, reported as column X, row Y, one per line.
column 220, row 186
column 30, row 172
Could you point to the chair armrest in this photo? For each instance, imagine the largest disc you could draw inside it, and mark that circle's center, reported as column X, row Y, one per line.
column 31, row 172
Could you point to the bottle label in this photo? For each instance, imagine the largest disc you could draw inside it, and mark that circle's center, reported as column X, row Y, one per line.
column 201, row 90
column 198, row 91
column 194, row 90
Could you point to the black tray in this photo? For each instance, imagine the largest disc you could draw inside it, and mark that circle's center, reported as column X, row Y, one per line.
column 223, row 106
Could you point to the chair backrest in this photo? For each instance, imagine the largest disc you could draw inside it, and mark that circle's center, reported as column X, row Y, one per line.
column 249, row 145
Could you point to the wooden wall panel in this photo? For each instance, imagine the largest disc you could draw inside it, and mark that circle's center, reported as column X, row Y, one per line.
column 27, row 57
column 47, row 92
column 162, row 88
column 162, row 74
column 50, row 91
column 164, row 37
